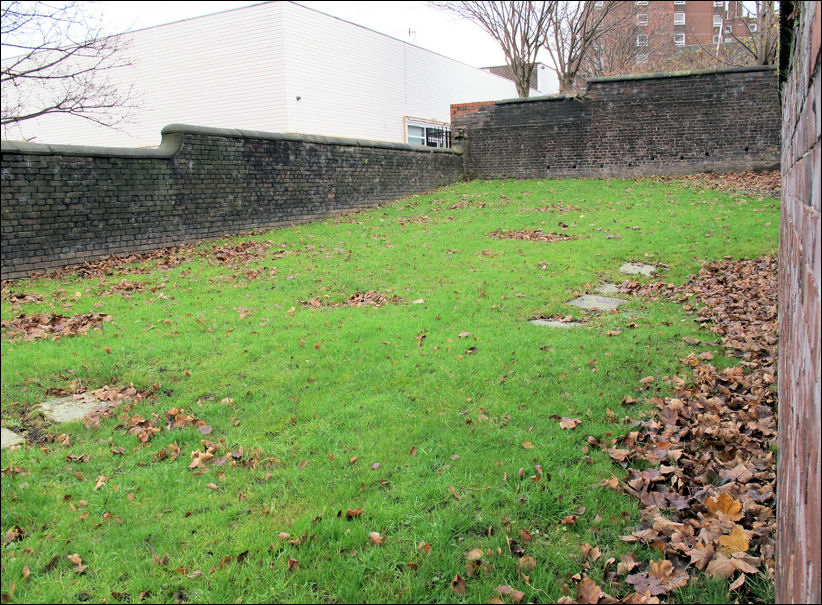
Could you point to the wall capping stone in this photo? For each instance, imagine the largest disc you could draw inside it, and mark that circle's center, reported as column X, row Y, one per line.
column 173, row 135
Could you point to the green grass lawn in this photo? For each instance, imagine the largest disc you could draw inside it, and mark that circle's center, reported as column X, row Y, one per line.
column 444, row 440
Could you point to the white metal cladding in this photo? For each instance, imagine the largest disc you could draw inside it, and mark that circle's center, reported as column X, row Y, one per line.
column 245, row 68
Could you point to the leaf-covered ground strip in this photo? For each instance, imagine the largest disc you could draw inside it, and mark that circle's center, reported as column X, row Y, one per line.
column 358, row 409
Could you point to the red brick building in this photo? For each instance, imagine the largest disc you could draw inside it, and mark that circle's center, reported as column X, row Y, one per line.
column 651, row 33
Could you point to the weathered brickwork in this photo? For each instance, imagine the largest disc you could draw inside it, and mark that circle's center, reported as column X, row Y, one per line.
column 645, row 125
column 799, row 547
column 66, row 205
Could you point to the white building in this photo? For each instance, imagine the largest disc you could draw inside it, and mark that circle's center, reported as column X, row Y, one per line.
column 280, row 67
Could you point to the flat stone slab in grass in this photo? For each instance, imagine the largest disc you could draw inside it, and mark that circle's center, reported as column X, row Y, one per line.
column 71, row 408
column 591, row 302
column 9, row 438
column 637, row 269
column 553, row 323
column 607, row 289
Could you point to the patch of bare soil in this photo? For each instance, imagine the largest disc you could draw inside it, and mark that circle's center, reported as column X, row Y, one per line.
column 43, row 325
column 703, row 465
column 358, row 299
column 533, row 235
column 758, row 184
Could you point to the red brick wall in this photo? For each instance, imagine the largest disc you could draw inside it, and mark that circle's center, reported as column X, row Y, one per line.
column 798, row 573
column 463, row 109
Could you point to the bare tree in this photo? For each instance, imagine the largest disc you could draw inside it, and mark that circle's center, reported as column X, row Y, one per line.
column 574, row 29
column 616, row 52
column 56, row 61
column 745, row 37
column 518, row 27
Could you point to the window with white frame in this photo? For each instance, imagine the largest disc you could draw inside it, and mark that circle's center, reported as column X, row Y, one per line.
column 642, row 58
column 679, row 18
column 729, row 28
column 599, row 4
column 679, row 1
column 717, row 20
column 642, row 19
column 430, row 134
column 716, row 38
column 641, row 3
column 415, row 134
column 752, row 27
column 642, row 40
column 679, row 39
column 718, row 3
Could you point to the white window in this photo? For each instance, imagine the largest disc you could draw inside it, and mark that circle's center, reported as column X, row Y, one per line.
column 752, row 27
column 642, row 19
column 679, row 1
column 641, row 3
column 679, row 39
column 429, row 134
column 716, row 38
column 416, row 135
column 599, row 4
column 642, row 58
column 718, row 3
column 729, row 28
column 642, row 40
column 679, row 18
column 717, row 20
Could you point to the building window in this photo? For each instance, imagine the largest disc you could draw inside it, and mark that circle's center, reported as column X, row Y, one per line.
column 752, row 27
column 729, row 28
column 430, row 134
column 641, row 3
column 679, row 1
column 718, row 3
column 642, row 19
column 679, row 18
column 599, row 4
column 642, row 58
column 716, row 38
column 679, row 39
column 642, row 40
column 717, row 20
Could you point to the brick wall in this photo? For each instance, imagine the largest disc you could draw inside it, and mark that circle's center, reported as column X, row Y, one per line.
column 799, row 547
column 642, row 125
column 64, row 205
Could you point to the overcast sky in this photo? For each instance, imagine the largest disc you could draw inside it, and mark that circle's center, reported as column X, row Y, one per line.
column 413, row 22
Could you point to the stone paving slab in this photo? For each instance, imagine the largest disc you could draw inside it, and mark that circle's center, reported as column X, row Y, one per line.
column 637, row 269
column 591, row 302
column 607, row 289
column 71, row 408
column 553, row 323
column 9, row 438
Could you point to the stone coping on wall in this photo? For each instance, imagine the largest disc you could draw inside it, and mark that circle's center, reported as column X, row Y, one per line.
column 173, row 137
column 628, row 78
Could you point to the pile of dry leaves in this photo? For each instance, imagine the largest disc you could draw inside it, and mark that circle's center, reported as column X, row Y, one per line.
column 558, row 208
column 534, row 235
column 358, row 299
column 43, row 325
column 759, row 184
column 703, row 465
column 240, row 254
